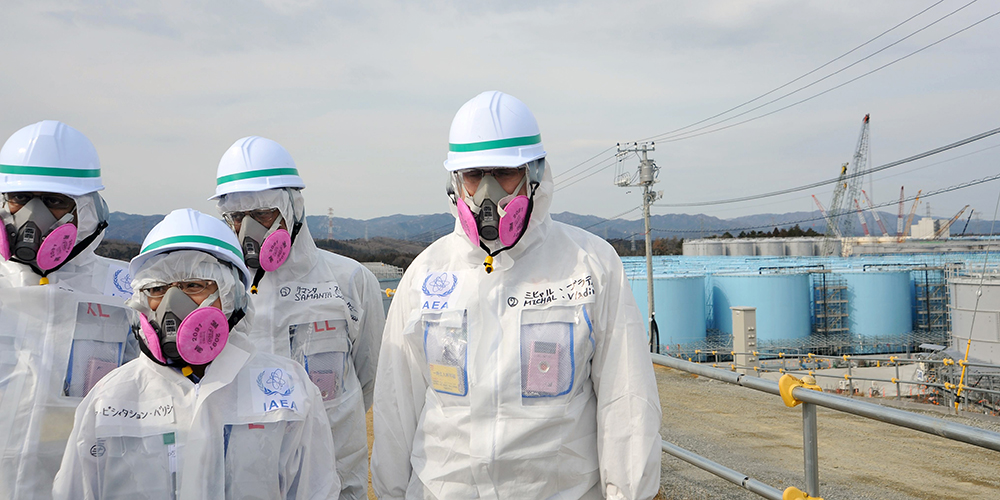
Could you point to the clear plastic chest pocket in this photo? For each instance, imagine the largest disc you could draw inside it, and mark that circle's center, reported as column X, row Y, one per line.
column 548, row 363
column 136, row 467
column 98, row 346
column 324, row 348
column 446, row 347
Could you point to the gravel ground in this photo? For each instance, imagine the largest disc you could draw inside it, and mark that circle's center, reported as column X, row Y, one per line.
column 754, row 433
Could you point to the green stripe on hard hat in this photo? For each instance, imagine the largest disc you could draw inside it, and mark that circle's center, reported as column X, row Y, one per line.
column 49, row 171
column 497, row 144
column 267, row 172
column 192, row 238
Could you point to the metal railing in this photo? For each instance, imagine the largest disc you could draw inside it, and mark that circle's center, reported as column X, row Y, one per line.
column 795, row 393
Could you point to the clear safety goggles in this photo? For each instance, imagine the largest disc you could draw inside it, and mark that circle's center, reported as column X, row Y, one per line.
column 473, row 176
column 52, row 201
column 190, row 287
column 265, row 216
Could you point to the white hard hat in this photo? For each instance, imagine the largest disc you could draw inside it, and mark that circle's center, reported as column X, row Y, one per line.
column 187, row 229
column 255, row 164
column 50, row 156
column 493, row 130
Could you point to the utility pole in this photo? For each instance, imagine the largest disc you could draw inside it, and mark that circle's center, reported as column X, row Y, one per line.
column 646, row 179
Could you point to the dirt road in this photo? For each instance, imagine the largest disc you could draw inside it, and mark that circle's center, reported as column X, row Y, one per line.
column 755, row 433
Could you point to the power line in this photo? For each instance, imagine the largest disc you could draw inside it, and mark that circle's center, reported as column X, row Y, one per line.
column 796, row 103
column 578, row 165
column 842, row 213
column 567, row 183
column 668, row 138
column 834, row 180
column 613, row 218
column 798, row 78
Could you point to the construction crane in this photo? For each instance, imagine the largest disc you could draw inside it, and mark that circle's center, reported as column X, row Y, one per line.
column 871, row 208
column 909, row 219
column 861, row 217
column 859, row 163
column 967, row 221
column 944, row 227
column 830, row 224
column 899, row 220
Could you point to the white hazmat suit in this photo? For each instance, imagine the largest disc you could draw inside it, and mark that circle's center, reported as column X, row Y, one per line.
column 253, row 427
column 324, row 311
column 459, row 414
column 56, row 341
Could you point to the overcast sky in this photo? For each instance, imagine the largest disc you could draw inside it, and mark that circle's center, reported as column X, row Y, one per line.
column 362, row 94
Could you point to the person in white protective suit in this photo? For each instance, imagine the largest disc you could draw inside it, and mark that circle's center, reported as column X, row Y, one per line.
column 58, row 339
column 202, row 414
column 315, row 307
column 514, row 362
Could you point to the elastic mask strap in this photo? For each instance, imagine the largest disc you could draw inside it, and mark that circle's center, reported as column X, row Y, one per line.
column 79, row 248
column 488, row 262
column 236, row 317
column 259, row 275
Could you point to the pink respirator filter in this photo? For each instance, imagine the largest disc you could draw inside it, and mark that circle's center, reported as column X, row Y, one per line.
column 4, row 243
column 275, row 249
column 56, row 247
column 512, row 223
column 468, row 221
column 152, row 340
column 202, row 335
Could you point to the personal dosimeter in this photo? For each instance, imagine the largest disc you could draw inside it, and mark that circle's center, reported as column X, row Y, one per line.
column 543, row 368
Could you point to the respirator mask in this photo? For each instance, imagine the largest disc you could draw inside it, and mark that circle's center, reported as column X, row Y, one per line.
column 33, row 236
column 181, row 330
column 265, row 244
column 492, row 213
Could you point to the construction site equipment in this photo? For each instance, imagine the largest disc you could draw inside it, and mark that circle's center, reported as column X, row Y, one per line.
column 899, row 219
column 830, row 224
column 871, row 208
column 909, row 219
column 944, row 227
column 861, row 217
column 967, row 221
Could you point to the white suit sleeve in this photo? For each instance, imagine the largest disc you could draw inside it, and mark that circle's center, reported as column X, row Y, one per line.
column 369, row 341
column 77, row 476
column 399, row 401
column 629, row 455
column 310, row 465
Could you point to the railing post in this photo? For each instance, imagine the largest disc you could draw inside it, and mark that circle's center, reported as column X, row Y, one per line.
column 810, row 448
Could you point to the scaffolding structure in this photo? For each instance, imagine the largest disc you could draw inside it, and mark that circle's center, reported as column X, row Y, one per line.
column 829, row 305
column 932, row 318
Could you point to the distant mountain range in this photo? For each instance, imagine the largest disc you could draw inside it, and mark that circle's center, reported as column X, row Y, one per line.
column 426, row 228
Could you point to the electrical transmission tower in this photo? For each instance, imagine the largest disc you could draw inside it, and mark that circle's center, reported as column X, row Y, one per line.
column 329, row 224
column 645, row 177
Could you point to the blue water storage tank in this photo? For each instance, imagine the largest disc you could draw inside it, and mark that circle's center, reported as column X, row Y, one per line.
column 679, row 305
column 782, row 302
column 879, row 303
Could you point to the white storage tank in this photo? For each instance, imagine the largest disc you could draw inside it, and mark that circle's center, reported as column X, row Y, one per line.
column 801, row 247
column 740, row 247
